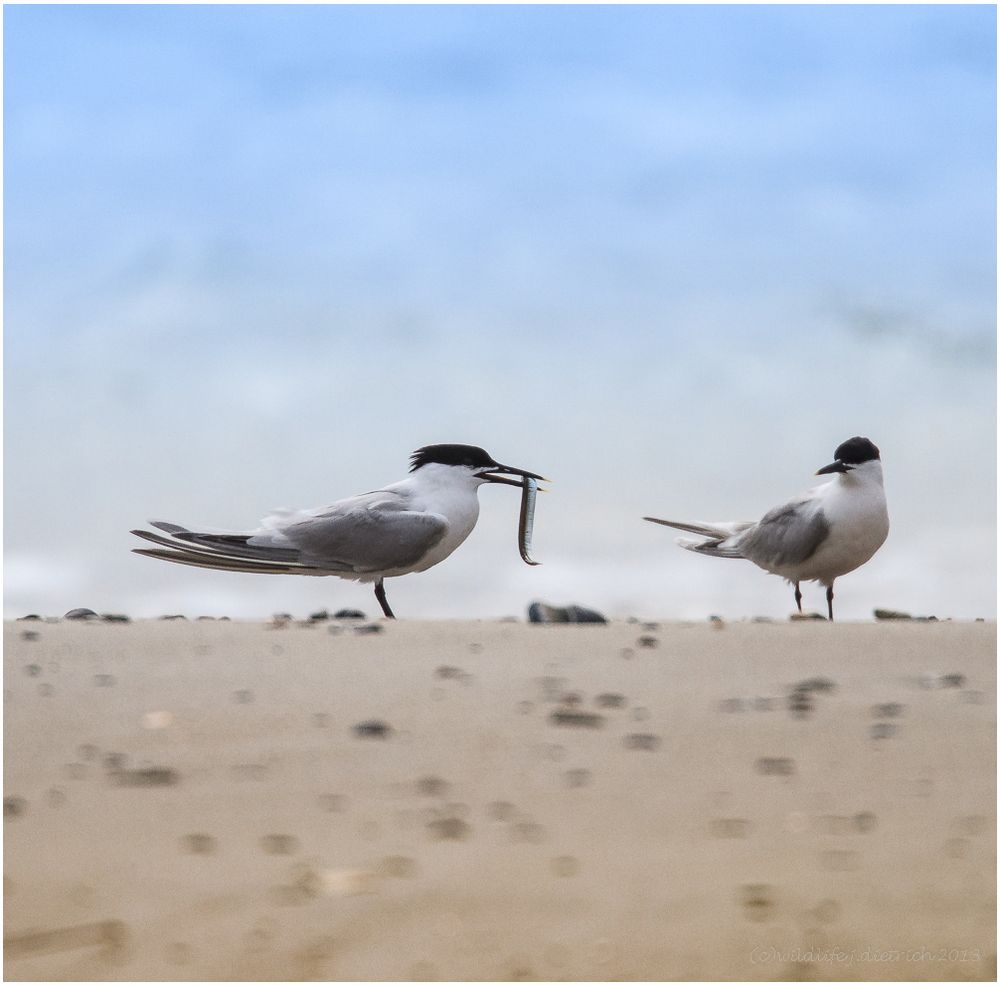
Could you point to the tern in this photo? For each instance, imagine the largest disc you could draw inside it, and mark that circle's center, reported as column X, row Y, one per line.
column 405, row 527
column 818, row 536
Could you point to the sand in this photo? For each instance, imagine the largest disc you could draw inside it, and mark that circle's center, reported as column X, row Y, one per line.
column 490, row 800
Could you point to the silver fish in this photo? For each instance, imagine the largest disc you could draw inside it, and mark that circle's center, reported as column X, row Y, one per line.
column 528, row 490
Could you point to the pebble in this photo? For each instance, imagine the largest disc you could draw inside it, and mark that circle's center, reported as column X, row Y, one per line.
column 80, row 614
column 14, row 807
column 349, row 614
column 891, row 614
column 369, row 628
column 775, row 766
column 449, row 829
column 372, row 729
column 575, row 717
column 757, row 900
column 641, row 741
column 198, row 843
column 888, row 710
column 825, row 686
column 544, row 613
column 279, row 844
column 609, row 700
column 147, row 777
column 432, row 787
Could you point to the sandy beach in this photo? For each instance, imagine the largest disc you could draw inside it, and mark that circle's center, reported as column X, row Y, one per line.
column 498, row 800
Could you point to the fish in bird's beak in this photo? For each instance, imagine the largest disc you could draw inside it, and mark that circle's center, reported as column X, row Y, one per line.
column 837, row 466
column 502, row 474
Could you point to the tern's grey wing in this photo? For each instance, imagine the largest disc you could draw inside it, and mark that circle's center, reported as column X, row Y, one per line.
column 368, row 539
column 786, row 535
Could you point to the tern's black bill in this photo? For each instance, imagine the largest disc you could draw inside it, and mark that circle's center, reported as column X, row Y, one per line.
column 837, row 466
column 502, row 474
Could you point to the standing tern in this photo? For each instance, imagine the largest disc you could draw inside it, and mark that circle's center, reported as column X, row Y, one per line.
column 818, row 536
column 405, row 527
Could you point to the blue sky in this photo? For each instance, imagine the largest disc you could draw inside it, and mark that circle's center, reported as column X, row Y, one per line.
column 671, row 256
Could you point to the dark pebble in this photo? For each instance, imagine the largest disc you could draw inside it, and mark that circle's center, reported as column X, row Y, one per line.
column 449, row 828
column 824, row 686
column 279, row 844
column 14, row 807
column 609, row 700
column 641, row 741
column 648, row 642
column 320, row 616
column 369, row 628
column 174, row 616
column 30, row 616
column 372, row 729
column 147, row 777
column 757, row 900
column 198, row 843
column 800, row 704
column 30, row 635
column 80, row 614
column 544, row 613
column 447, row 671
column 888, row 710
column 775, row 766
column 952, row 680
column 349, row 614
column 432, row 787
column 883, row 730
column 865, row 821
column 891, row 614
column 575, row 717
column 115, row 618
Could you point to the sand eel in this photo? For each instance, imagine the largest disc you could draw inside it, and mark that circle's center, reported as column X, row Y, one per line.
column 406, row 527
column 818, row 536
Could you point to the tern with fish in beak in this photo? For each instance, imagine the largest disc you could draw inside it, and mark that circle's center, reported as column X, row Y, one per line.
column 815, row 537
column 405, row 527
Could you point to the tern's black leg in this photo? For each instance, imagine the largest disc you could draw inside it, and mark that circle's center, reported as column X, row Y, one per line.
column 798, row 597
column 382, row 601
column 829, row 600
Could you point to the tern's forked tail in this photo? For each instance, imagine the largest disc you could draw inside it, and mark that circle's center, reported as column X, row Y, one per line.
column 715, row 536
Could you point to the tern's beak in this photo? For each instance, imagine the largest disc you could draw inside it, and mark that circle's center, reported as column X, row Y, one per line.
column 501, row 474
column 837, row 466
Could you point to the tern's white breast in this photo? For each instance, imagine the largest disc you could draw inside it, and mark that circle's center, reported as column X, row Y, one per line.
column 855, row 509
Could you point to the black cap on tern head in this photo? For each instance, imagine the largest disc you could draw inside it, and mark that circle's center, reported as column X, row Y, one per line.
column 856, row 450
column 851, row 453
column 452, row 455
column 471, row 456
